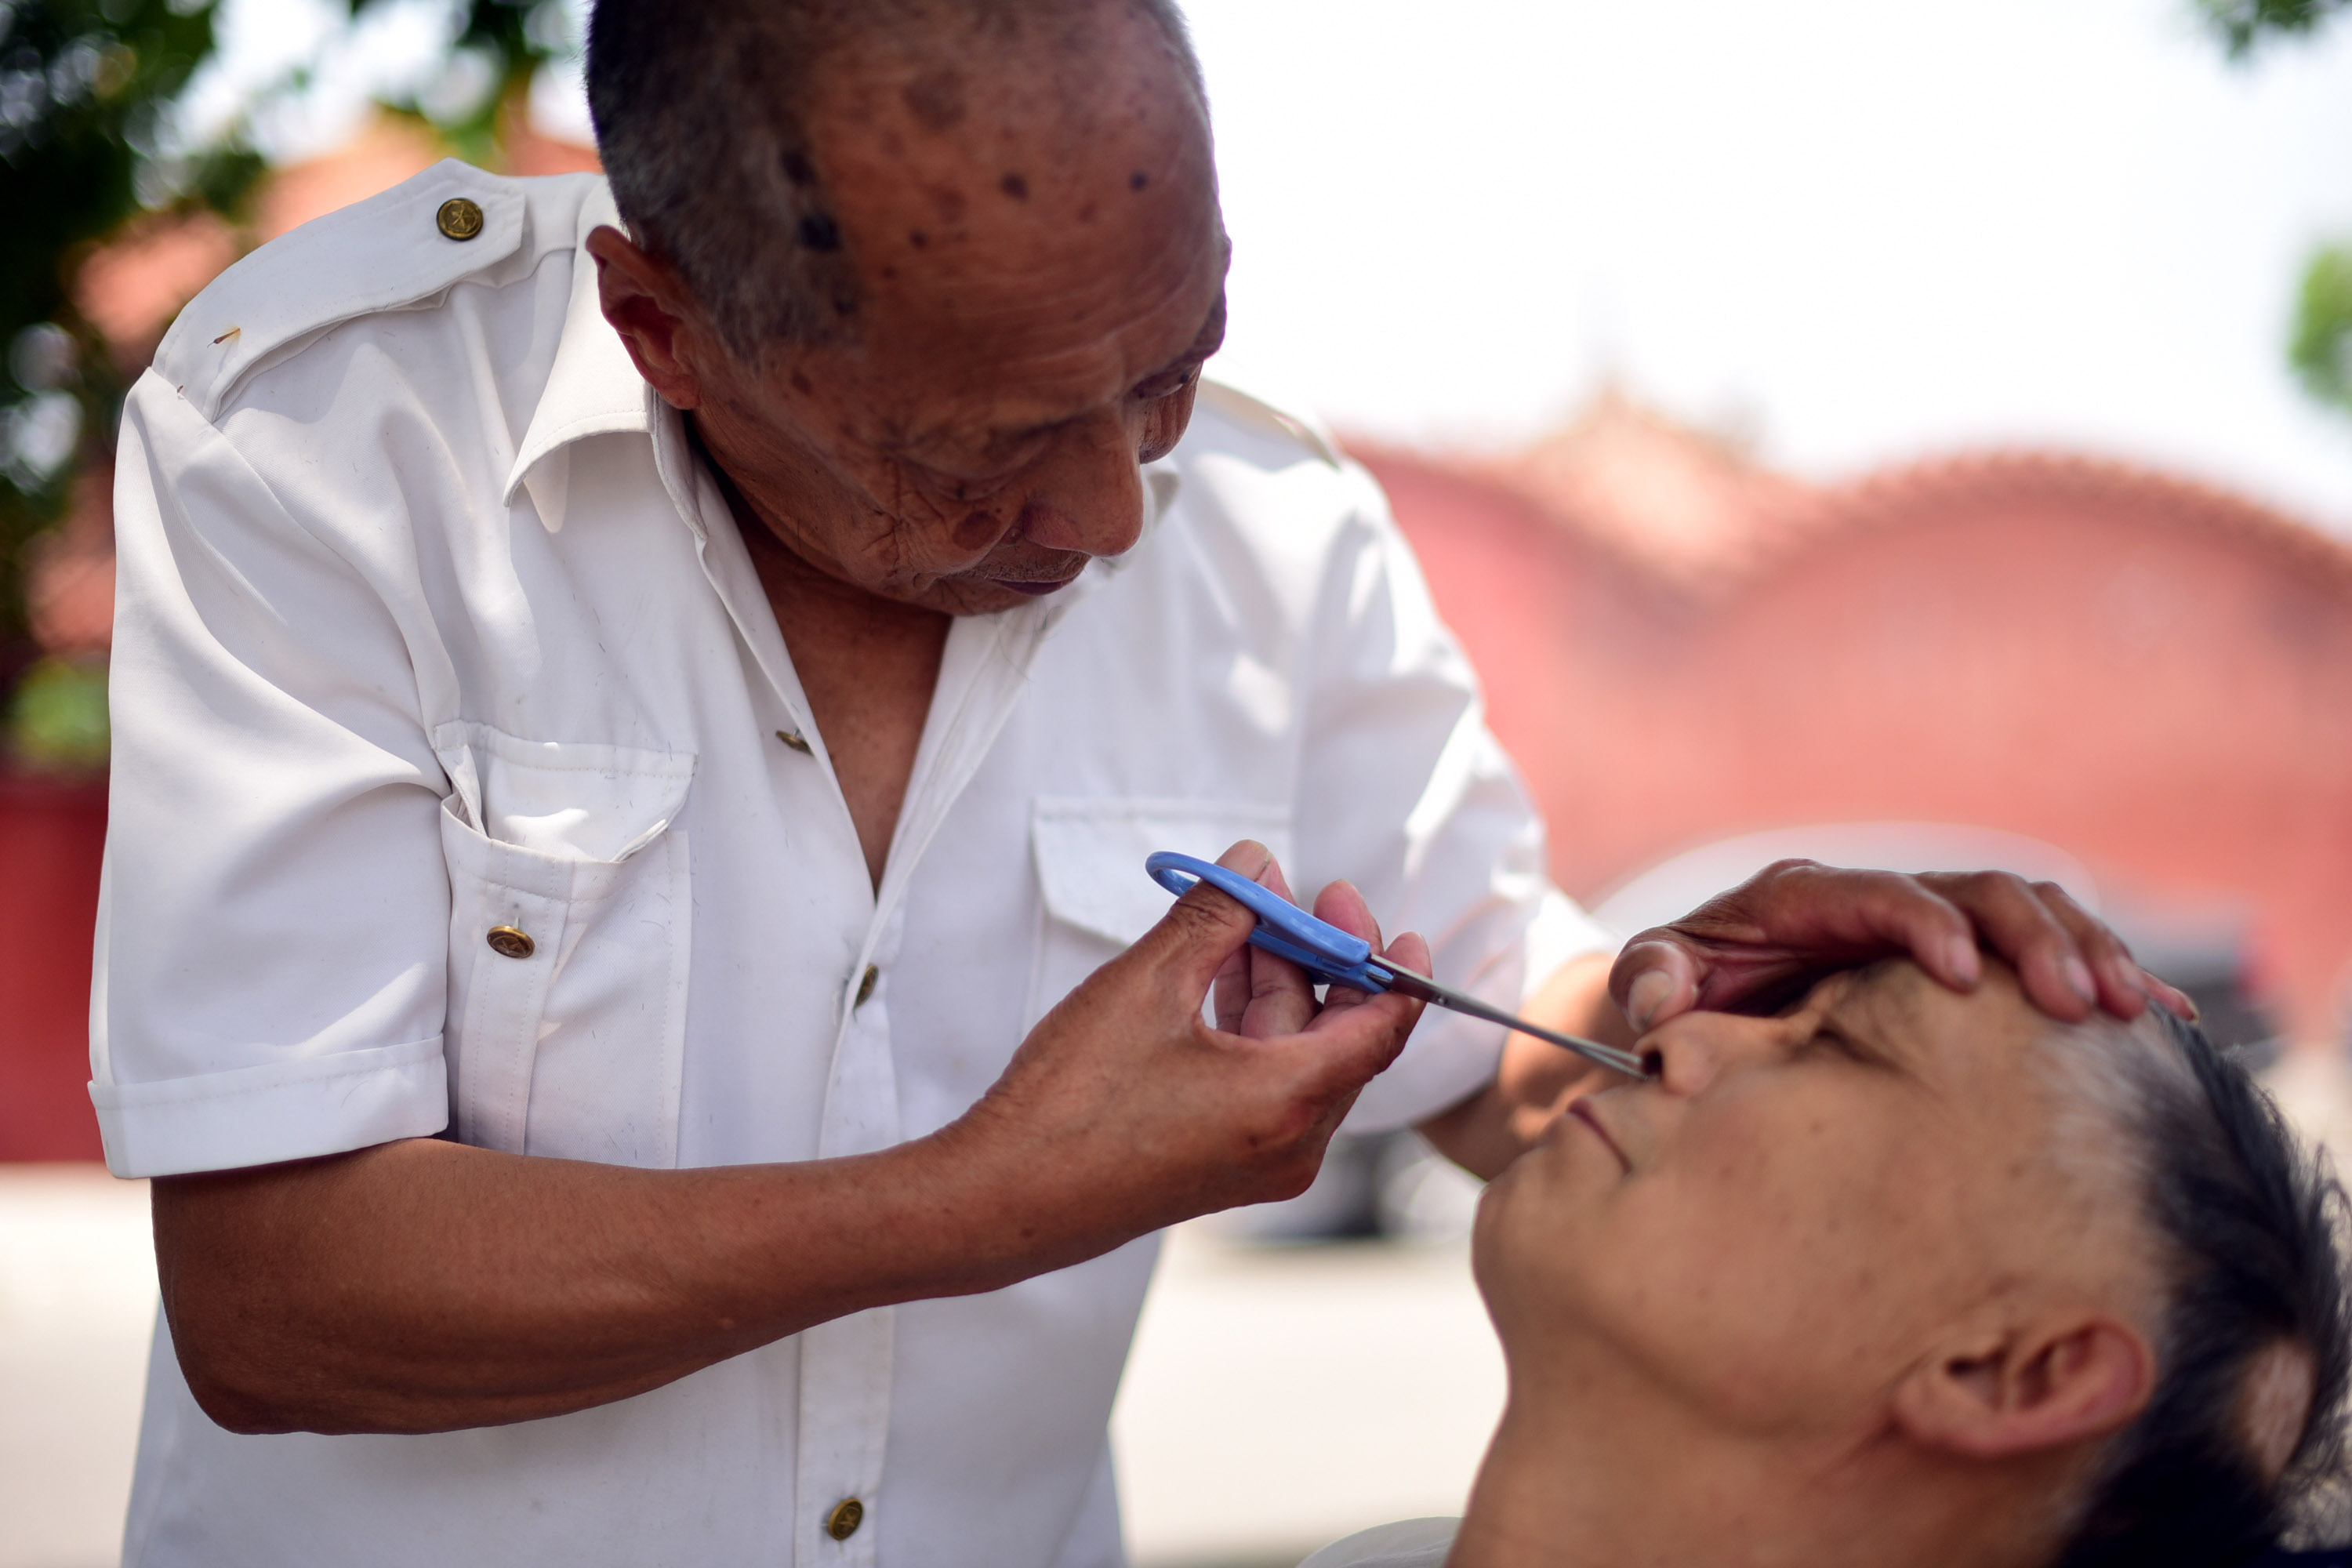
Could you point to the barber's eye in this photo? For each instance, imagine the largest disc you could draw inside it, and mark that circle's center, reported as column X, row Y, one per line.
column 1167, row 384
column 959, row 487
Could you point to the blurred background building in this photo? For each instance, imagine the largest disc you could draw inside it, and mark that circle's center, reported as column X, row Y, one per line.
column 1914, row 436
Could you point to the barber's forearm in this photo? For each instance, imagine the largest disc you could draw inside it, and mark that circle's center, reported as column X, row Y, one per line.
column 1493, row 1127
column 424, row 1286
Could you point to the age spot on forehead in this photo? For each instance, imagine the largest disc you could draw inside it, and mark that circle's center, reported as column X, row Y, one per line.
column 936, row 98
column 819, row 232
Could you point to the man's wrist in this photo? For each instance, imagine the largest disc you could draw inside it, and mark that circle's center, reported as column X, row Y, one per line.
column 963, row 1212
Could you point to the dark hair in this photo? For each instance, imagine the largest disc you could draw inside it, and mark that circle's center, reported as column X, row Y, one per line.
column 701, row 109
column 2254, row 1226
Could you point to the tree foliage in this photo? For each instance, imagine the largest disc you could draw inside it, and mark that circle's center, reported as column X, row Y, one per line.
column 85, row 90
column 2245, row 23
column 2319, row 342
column 2320, row 348
column 504, row 41
column 88, row 140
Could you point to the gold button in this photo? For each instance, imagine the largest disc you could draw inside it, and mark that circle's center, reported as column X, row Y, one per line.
column 508, row 942
column 794, row 739
column 458, row 219
column 864, row 983
column 846, row 1516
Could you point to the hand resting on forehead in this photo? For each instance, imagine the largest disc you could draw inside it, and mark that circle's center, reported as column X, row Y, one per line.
column 1905, row 1276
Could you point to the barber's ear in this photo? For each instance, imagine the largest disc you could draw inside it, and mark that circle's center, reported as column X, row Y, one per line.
column 644, row 298
column 2018, row 1390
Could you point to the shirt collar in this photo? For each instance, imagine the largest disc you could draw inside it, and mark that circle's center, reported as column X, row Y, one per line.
column 592, row 389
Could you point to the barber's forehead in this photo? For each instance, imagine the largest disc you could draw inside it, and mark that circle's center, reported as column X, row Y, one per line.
column 961, row 81
column 1036, row 144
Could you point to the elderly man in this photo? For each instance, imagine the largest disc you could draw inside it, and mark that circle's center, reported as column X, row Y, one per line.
column 633, row 703
column 1905, row 1278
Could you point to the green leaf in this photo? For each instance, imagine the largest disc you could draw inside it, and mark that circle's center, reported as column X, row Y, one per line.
column 2244, row 23
column 2320, row 348
column 57, row 720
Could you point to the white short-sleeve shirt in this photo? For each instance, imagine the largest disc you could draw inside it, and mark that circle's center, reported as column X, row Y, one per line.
column 462, row 783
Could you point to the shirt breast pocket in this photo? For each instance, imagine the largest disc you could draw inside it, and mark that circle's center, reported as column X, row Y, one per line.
column 1098, row 897
column 569, row 915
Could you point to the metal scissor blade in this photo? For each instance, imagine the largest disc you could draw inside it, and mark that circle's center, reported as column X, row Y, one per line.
column 1411, row 984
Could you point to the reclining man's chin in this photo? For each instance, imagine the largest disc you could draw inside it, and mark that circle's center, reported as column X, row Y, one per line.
column 1907, row 1276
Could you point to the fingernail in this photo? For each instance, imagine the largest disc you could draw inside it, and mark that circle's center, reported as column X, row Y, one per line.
column 1962, row 958
column 1646, row 995
column 2078, row 977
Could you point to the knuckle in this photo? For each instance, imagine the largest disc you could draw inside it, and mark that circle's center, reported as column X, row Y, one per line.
column 1278, row 1131
column 1199, row 915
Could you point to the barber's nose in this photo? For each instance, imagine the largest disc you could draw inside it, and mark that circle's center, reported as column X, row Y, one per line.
column 1089, row 496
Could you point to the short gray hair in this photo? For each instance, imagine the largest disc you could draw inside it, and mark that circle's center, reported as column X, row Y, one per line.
column 702, row 108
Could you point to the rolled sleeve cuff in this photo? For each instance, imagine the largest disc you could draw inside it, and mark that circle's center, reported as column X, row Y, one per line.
column 279, row 1111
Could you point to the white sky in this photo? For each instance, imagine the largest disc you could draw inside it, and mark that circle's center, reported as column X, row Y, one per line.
column 1866, row 229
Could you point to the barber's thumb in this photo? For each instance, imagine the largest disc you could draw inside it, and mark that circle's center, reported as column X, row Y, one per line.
column 1205, row 927
column 1654, row 979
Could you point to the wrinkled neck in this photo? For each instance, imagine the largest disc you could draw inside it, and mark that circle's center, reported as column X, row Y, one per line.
column 1616, row 1482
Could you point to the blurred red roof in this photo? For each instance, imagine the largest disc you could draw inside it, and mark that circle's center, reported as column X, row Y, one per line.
column 1679, row 645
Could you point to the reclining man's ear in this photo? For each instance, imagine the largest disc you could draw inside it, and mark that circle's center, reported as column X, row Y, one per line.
column 2019, row 1389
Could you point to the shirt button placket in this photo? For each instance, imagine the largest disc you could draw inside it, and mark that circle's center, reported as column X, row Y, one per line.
column 511, row 941
column 846, row 1365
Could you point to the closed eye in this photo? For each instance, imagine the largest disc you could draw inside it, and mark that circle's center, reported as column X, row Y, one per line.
column 960, row 487
column 1185, row 369
column 1165, row 383
column 1827, row 1033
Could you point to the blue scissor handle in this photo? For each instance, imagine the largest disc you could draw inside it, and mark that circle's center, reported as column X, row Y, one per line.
column 1332, row 955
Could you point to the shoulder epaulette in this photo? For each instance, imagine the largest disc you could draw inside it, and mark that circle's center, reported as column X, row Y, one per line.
column 396, row 247
column 1244, row 409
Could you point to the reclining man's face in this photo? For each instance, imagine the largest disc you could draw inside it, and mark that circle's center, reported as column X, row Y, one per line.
column 1882, row 1246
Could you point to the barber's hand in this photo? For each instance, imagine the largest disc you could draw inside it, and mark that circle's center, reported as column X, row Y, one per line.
column 1124, row 1110
column 1795, row 920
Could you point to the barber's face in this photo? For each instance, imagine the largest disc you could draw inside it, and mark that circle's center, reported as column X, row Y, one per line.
column 1033, row 313
column 1770, row 1231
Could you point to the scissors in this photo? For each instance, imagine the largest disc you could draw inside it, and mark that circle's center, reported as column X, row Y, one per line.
column 1335, row 958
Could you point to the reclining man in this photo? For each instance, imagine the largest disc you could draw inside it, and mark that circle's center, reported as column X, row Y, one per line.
column 1906, row 1277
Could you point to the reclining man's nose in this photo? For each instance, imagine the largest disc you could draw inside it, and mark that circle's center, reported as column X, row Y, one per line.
column 1688, row 1053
